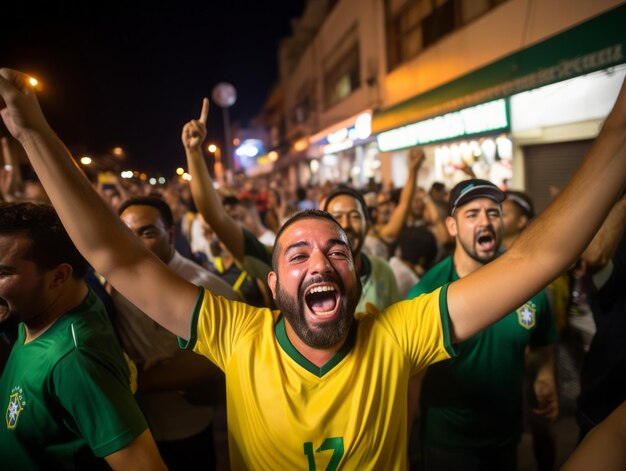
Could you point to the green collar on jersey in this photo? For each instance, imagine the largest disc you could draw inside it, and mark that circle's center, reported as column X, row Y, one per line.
column 289, row 349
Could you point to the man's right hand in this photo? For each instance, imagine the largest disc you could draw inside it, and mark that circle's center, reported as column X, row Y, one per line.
column 194, row 132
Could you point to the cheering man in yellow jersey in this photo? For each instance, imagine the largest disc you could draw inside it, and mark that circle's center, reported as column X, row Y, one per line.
column 308, row 386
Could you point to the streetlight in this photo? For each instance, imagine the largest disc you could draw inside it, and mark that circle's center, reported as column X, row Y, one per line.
column 218, row 168
column 225, row 95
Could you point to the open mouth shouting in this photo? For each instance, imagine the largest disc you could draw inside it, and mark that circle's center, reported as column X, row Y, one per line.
column 486, row 240
column 322, row 299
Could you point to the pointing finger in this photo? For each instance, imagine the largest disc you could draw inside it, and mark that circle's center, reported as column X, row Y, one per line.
column 204, row 114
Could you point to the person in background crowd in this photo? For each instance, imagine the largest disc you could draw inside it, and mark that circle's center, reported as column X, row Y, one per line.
column 383, row 234
column 66, row 385
column 438, row 193
column 471, row 406
column 517, row 212
column 603, row 376
column 417, row 249
column 182, row 430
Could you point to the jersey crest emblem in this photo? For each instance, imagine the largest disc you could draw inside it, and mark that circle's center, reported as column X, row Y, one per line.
column 526, row 315
column 15, row 407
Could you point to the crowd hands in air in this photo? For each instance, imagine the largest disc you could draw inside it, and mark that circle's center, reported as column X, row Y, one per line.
column 387, row 245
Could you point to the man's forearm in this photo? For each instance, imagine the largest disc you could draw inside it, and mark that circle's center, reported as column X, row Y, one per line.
column 210, row 205
column 72, row 194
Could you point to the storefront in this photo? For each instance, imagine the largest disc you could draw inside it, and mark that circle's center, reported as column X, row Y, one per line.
column 556, row 92
column 344, row 152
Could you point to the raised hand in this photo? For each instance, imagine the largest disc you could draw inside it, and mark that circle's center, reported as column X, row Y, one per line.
column 19, row 107
column 416, row 158
column 194, row 132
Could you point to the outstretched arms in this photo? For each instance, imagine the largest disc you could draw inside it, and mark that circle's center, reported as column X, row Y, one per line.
column 204, row 195
column 552, row 242
column 98, row 234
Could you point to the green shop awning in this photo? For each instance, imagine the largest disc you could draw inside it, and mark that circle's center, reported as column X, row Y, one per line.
column 594, row 45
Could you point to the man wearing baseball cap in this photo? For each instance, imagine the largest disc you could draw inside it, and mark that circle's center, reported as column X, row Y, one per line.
column 471, row 406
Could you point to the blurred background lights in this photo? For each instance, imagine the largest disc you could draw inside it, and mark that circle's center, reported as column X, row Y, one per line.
column 33, row 81
column 85, row 160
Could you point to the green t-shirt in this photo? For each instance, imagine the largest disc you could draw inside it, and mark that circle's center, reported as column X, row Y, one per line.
column 379, row 284
column 475, row 399
column 65, row 395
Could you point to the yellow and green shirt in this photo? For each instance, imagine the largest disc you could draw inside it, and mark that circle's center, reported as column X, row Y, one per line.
column 286, row 413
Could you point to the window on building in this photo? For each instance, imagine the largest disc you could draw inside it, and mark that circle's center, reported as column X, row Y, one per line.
column 413, row 25
column 301, row 112
column 342, row 69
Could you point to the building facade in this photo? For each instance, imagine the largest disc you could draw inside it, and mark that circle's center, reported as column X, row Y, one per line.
column 510, row 90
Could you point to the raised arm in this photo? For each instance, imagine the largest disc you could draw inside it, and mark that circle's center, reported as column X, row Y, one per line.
column 10, row 176
column 603, row 246
column 552, row 242
column 98, row 233
column 204, row 194
column 391, row 230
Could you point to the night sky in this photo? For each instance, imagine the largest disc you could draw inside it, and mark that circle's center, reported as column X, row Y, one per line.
column 131, row 74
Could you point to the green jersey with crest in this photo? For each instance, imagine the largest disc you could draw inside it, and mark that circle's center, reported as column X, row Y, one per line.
column 475, row 399
column 65, row 396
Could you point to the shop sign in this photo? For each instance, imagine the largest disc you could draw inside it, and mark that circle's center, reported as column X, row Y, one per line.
column 488, row 117
column 597, row 44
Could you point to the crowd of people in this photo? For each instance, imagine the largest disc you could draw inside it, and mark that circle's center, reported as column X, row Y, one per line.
column 344, row 327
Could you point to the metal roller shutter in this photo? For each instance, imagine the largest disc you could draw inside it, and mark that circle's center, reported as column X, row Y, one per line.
column 551, row 165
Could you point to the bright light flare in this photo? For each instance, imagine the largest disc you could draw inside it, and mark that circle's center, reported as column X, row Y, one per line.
column 212, row 148
column 33, row 81
column 180, row 171
column 85, row 160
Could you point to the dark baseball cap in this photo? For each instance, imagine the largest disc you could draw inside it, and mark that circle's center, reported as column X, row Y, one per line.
column 469, row 190
column 522, row 201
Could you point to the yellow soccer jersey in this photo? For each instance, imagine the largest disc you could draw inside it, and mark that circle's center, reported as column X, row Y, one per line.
column 286, row 413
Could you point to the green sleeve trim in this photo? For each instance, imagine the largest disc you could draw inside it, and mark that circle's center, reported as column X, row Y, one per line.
column 191, row 343
column 289, row 349
column 445, row 320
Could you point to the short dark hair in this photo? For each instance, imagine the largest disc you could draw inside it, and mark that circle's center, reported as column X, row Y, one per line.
column 157, row 203
column 352, row 193
column 437, row 186
column 417, row 242
column 306, row 214
column 49, row 243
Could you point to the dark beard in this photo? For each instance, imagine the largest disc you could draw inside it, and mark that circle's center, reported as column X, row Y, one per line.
column 330, row 333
